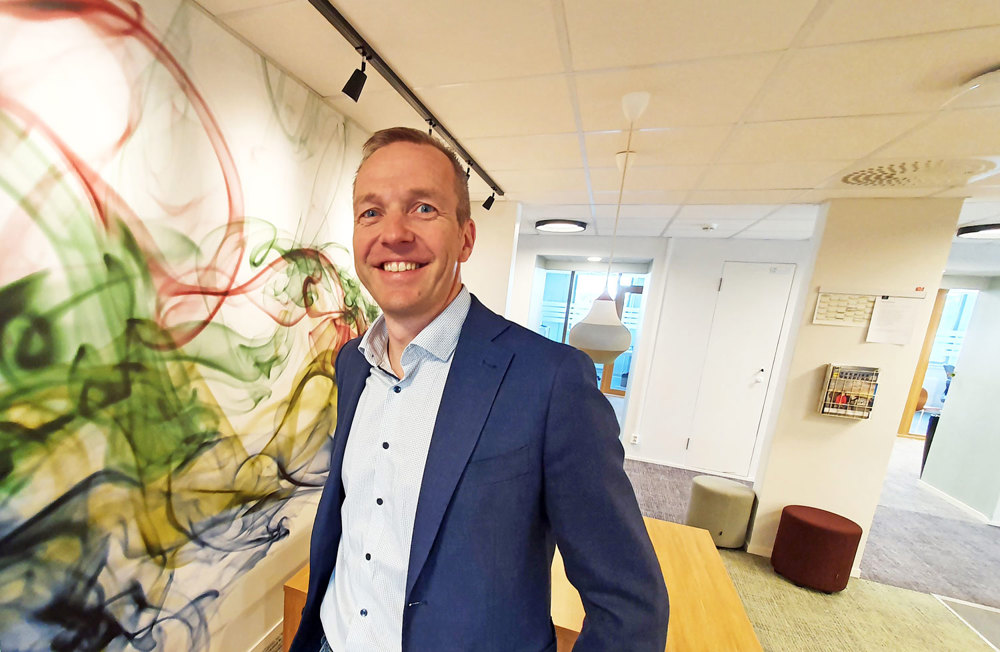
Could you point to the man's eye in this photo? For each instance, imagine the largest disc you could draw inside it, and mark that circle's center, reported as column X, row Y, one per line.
column 425, row 208
column 369, row 213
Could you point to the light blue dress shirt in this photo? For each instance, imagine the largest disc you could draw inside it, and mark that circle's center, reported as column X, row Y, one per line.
column 382, row 473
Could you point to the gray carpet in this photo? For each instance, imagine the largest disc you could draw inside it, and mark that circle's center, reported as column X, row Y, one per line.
column 922, row 542
column 917, row 541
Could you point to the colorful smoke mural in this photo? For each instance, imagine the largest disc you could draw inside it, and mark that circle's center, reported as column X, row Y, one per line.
column 169, row 312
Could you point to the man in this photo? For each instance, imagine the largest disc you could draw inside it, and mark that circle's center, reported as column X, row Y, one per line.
column 466, row 447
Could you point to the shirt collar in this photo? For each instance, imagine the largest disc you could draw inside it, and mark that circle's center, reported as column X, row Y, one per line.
column 439, row 338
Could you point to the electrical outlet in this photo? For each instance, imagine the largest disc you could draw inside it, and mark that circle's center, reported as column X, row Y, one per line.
column 635, row 438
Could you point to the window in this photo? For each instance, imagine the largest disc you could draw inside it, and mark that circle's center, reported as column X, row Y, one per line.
column 566, row 299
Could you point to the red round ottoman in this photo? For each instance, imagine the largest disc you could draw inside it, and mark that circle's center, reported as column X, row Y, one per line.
column 815, row 548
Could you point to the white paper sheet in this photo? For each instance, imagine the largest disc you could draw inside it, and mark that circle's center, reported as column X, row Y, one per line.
column 893, row 320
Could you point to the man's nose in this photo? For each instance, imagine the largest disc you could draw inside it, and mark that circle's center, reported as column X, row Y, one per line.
column 396, row 227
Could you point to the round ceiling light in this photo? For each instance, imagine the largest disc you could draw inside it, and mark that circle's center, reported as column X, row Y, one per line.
column 980, row 231
column 560, row 226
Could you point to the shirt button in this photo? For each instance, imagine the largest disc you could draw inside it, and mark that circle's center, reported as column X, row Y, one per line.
column 368, row 556
column 378, row 500
column 364, row 612
column 385, row 444
column 397, row 389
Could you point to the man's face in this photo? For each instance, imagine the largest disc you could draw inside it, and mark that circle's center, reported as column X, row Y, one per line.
column 408, row 245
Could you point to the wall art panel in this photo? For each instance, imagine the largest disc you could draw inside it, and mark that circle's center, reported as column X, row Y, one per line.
column 170, row 308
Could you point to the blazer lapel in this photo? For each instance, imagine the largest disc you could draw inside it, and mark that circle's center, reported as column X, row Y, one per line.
column 476, row 372
column 349, row 390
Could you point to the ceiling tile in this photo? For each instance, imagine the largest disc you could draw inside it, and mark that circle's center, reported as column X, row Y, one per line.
column 981, row 192
column 710, row 213
column 765, row 176
column 683, row 94
column 377, row 109
column 297, row 38
column 692, row 230
column 796, row 212
column 682, row 146
column 641, row 196
column 917, row 73
column 631, row 227
column 823, row 139
column 823, row 194
column 772, row 229
column 968, row 132
column 644, row 211
column 448, row 41
column 545, row 196
column 514, row 107
column 675, row 177
column 608, row 34
column 743, row 196
column 526, row 152
column 550, row 179
column 478, row 190
column 554, row 211
column 849, row 20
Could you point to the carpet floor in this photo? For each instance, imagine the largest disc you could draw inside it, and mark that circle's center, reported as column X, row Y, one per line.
column 864, row 616
column 922, row 542
column 917, row 541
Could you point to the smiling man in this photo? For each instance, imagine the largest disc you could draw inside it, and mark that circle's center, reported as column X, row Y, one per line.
column 466, row 448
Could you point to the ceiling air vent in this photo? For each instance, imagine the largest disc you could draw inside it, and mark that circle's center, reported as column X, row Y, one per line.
column 928, row 173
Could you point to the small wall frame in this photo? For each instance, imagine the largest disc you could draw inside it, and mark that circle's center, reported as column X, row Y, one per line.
column 848, row 391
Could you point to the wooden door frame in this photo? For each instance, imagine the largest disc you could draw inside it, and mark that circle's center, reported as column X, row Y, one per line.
column 925, row 355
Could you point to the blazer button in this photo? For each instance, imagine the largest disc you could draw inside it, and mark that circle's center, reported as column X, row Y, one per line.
column 397, row 389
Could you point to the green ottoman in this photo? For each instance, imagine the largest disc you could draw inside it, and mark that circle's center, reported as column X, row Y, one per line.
column 722, row 507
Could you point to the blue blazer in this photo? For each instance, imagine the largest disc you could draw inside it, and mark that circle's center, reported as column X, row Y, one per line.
column 524, row 455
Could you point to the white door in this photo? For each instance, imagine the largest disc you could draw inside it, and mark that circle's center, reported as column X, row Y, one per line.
column 745, row 328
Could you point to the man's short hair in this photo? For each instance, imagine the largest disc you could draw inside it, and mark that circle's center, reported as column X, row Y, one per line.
column 392, row 135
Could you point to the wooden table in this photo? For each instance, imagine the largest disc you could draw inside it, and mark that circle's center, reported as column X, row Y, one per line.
column 705, row 610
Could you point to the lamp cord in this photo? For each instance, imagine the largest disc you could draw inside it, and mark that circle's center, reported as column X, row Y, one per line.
column 618, row 209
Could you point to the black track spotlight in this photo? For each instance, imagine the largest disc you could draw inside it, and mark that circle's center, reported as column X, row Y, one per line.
column 356, row 83
column 488, row 204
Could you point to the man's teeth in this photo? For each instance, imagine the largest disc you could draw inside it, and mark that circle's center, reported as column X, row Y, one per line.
column 396, row 266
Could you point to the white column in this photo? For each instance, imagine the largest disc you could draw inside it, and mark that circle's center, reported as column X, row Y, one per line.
column 869, row 246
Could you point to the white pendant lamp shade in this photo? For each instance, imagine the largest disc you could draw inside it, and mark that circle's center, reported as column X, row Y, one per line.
column 601, row 334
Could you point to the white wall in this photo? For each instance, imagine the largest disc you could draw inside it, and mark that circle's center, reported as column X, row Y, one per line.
column 868, row 246
column 488, row 271
column 964, row 460
column 665, row 404
column 679, row 303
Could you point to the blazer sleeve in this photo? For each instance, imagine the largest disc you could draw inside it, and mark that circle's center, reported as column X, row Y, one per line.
column 596, row 520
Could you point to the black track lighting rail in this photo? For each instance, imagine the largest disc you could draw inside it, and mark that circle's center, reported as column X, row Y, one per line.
column 347, row 30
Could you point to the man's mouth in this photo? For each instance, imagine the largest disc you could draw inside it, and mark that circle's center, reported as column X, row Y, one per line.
column 401, row 266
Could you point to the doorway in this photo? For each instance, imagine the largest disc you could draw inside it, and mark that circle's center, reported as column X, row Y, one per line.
column 746, row 326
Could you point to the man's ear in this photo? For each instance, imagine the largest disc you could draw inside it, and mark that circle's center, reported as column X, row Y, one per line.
column 468, row 240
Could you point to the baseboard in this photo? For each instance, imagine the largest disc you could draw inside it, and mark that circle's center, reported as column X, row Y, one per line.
column 957, row 503
column 267, row 642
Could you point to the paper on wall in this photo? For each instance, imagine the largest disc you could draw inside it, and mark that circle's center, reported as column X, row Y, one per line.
column 893, row 320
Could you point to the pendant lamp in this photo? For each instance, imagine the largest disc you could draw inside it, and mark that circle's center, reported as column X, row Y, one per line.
column 601, row 334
